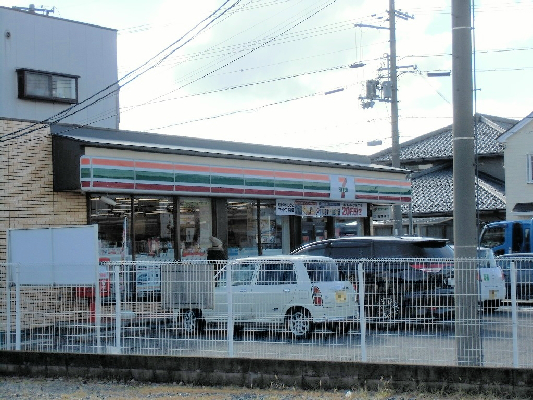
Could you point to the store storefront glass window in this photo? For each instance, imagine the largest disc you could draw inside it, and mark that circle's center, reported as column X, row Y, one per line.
column 243, row 235
column 113, row 216
column 242, row 228
column 270, row 228
column 346, row 227
column 154, row 228
column 313, row 229
column 195, row 227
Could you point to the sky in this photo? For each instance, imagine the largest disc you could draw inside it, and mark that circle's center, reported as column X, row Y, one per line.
column 277, row 72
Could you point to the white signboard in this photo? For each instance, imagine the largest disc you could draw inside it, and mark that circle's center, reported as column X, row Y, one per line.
column 53, row 256
column 353, row 210
column 285, row 207
column 311, row 208
column 381, row 213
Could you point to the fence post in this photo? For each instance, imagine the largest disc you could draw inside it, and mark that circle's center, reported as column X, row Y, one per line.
column 8, row 307
column 118, row 308
column 97, row 309
column 229, row 284
column 362, row 316
column 514, row 313
column 17, row 309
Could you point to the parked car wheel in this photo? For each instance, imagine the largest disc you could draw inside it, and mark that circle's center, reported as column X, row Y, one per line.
column 192, row 322
column 299, row 323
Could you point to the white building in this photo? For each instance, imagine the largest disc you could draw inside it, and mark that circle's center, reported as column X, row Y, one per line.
column 518, row 160
column 50, row 65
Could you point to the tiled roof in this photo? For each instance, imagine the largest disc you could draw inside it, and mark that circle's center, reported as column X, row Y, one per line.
column 432, row 192
column 438, row 144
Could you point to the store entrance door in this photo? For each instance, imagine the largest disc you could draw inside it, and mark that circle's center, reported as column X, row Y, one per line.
column 313, row 229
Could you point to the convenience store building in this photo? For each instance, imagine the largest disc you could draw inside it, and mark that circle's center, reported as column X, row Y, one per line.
column 165, row 197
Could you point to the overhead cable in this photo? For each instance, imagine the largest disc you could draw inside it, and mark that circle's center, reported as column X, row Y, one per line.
column 64, row 114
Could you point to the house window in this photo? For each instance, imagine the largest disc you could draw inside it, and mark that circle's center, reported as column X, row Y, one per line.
column 47, row 86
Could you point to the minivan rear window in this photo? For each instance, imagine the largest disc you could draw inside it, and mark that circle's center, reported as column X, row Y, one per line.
column 351, row 250
column 426, row 249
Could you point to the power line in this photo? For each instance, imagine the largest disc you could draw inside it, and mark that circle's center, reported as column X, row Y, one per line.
column 253, row 109
column 260, row 45
column 242, row 85
column 64, row 114
column 313, row 13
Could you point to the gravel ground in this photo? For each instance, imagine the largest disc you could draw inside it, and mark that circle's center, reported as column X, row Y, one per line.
column 59, row 388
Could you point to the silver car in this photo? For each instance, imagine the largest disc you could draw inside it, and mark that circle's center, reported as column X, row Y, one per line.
column 295, row 293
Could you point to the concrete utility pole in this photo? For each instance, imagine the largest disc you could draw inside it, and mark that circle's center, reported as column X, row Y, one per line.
column 395, row 151
column 371, row 96
column 467, row 325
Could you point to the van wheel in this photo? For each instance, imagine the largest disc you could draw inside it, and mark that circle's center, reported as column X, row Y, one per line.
column 299, row 323
column 192, row 322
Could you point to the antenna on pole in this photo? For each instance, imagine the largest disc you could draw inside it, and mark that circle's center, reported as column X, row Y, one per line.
column 32, row 10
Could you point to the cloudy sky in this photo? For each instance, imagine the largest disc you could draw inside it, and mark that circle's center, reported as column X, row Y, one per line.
column 260, row 72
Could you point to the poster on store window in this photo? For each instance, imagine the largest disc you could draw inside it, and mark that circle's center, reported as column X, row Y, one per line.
column 329, row 208
column 353, row 210
column 285, row 207
column 307, row 208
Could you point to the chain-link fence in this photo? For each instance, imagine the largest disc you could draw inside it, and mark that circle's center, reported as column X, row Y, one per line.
column 423, row 311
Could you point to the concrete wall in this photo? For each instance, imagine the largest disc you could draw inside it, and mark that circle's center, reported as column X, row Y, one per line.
column 268, row 373
column 56, row 45
column 517, row 187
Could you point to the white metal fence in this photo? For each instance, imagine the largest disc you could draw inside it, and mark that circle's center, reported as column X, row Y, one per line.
column 397, row 311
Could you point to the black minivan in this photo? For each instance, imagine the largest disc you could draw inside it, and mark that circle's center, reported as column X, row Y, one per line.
column 405, row 277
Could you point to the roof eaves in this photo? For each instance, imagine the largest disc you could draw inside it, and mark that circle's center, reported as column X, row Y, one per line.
column 110, row 138
column 517, row 127
column 418, row 139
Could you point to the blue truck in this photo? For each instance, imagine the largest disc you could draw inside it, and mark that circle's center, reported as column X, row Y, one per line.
column 507, row 237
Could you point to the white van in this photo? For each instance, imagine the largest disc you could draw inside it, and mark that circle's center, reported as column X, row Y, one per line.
column 491, row 280
column 292, row 292
column 492, row 289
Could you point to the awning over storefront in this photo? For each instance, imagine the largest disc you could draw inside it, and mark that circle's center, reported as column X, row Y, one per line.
column 112, row 161
column 99, row 174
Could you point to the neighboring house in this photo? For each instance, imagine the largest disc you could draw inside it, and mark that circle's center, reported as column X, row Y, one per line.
column 518, row 158
column 430, row 157
column 48, row 65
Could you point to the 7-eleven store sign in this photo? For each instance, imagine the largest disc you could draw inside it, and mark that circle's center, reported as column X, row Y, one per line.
column 342, row 188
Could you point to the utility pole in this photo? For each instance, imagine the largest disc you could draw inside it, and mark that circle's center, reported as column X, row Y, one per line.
column 392, row 87
column 467, row 324
column 395, row 153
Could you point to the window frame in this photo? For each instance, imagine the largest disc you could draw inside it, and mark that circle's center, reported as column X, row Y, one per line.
column 22, row 83
column 530, row 168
